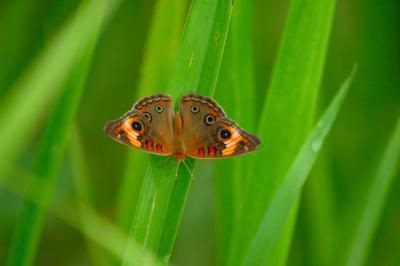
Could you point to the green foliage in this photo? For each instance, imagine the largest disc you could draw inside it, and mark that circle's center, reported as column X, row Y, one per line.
column 272, row 227
column 158, row 60
column 286, row 118
column 375, row 200
column 69, row 195
column 237, row 75
column 93, row 227
column 30, row 225
column 162, row 198
column 41, row 83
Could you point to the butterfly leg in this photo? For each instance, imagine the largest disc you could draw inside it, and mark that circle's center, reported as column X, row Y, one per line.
column 176, row 171
column 190, row 172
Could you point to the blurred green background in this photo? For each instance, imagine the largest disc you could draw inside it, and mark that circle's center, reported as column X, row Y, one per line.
column 365, row 32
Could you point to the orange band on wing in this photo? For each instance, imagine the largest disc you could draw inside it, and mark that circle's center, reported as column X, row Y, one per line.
column 214, row 113
column 131, row 135
column 232, row 144
column 133, row 140
column 228, row 151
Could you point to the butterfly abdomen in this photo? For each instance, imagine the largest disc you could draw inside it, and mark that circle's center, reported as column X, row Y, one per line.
column 179, row 156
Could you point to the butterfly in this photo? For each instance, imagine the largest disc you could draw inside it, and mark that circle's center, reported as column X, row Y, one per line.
column 200, row 129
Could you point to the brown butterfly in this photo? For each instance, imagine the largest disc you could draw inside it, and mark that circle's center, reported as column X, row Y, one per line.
column 199, row 130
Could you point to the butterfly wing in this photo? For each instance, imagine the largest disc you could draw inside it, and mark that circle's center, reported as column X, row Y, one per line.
column 148, row 126
column 208, row 133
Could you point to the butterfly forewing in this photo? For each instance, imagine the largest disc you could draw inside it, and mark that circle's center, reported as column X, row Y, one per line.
column 207, row 133
column 148, row 126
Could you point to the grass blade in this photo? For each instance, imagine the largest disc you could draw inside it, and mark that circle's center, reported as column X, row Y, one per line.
column 83, row 192
column 161, row 198
column 236, row 78
column 200, row 51
column 206, row 77
column 159, row 56
column 96, row 228
column 319, row 206
column 287, row 116
column 375, row 201
column 275, row 218
column 41, row 83
column 28, row 230
column 15, row 22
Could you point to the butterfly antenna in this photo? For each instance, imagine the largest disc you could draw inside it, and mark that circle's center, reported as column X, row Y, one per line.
column 189, row 163
column 187, row 167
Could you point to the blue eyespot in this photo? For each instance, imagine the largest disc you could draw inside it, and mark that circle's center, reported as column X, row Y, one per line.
column 225, row 134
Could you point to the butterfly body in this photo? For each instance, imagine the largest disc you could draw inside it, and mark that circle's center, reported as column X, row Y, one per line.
column 200, row 129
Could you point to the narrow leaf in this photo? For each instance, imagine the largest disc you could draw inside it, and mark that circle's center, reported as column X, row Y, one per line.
column 375, row 201
column 31, row 223
column 275, row 218
column 95, row 227
column 286, row 118
column 204, row 81
column 38, row 87
column 162, row 198
column 158, row 61
column 83, row 192
column 236, row 93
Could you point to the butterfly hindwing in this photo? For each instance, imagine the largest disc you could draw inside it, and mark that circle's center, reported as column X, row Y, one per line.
column 236, row 141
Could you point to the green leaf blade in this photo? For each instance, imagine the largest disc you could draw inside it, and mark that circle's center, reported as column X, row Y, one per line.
column 41, row 83
column 162, row 199
column 287, row 115
column 31, row 223
column 269, row 233
column 158, row 62
column 375, row 201
column 236, row 93
column 207, row 70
